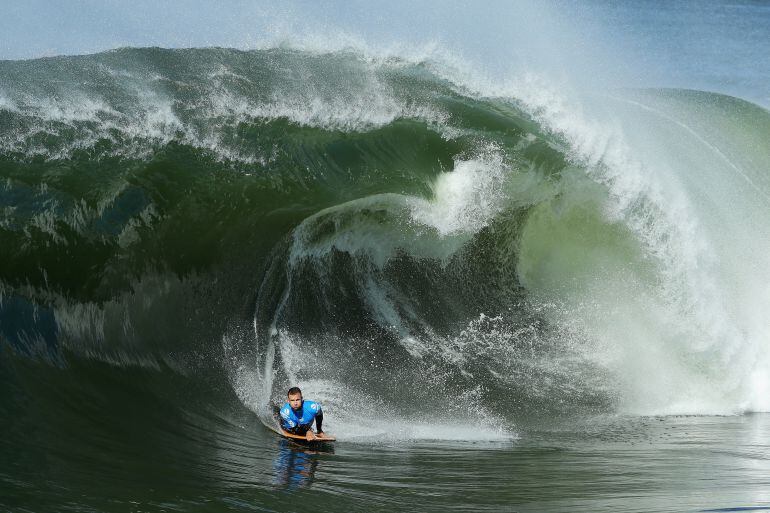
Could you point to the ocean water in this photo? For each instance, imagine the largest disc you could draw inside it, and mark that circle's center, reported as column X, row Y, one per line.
column 526, row 271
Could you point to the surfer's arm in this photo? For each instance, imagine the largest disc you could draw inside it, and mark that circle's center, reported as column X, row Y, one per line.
column 318, row 421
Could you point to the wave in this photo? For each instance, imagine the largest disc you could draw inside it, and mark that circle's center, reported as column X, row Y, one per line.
column 384, row 232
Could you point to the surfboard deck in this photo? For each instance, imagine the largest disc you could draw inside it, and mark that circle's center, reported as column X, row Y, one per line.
column 299, row 438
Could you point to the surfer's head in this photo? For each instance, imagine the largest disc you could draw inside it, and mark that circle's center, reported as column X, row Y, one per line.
column 295, row 398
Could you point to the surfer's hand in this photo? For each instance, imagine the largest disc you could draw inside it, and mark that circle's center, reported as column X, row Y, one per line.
column 310, row 435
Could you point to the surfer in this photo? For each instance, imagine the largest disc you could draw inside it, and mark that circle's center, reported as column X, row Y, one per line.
column 297, row 415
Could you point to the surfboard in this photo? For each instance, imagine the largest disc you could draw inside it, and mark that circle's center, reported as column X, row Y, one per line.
column 299, row 438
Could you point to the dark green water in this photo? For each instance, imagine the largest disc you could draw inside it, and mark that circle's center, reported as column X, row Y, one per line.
column 130, row 451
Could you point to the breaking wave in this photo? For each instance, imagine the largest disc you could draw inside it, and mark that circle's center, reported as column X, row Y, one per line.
column 388, row 233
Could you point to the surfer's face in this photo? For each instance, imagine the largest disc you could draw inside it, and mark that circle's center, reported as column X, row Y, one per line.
column 295, row 401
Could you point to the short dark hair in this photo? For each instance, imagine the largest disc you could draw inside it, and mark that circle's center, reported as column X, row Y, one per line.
column 293, row 391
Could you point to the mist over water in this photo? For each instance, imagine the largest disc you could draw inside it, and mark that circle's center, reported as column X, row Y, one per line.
column 512, row 239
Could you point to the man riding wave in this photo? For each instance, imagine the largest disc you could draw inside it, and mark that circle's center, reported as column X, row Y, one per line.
column 296, row 416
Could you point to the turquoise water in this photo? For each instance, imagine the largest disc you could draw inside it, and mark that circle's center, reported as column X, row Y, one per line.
column 510, row 289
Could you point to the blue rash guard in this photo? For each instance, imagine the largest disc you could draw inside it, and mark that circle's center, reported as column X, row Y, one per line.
column 299, row 422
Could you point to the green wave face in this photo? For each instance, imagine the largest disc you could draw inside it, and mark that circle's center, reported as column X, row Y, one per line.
column 373, row 229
